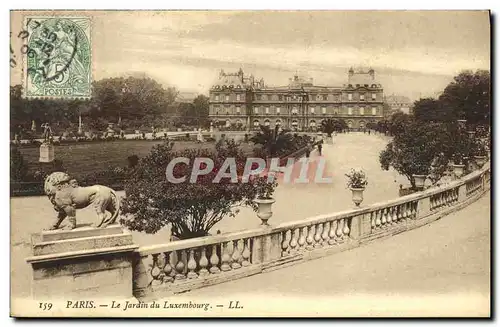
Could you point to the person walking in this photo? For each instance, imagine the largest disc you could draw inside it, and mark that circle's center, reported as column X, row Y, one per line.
column 320, row 147
column 308, row 150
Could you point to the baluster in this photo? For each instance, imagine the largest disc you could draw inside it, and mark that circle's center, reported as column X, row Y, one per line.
column 179, row 267
column 390, row 216
column 167, row 269
column 333, row 230
column 378, row 218
column 403, row 211
column 191, row 265
column 326, row 230
column 414, row 209
column 155, row 270
column 339, row 233
column 302, row 238
column 294, row 240
column 397, row 214
column 384, row 219
column 285, row 243
column 346, row 229
column 203, row 263
column 225, row 257
column 246, row 253
column 373, row 219
column 236, row 256
column 317, row 235
column 214, row 260
column 310, row 237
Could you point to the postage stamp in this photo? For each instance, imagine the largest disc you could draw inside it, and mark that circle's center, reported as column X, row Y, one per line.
column 57, row 57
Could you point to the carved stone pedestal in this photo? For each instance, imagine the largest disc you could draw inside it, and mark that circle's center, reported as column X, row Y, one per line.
column 82, row 263
column 46, row 152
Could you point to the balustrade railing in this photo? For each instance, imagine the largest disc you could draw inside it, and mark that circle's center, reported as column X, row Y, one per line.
column 183, row 265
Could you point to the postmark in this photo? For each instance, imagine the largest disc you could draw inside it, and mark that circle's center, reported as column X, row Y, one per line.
column 57, row 57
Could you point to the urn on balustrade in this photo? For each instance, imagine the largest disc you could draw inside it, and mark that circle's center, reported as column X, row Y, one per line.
column 264, row 211
column 458, row 170
column 357, row 195
column 419, row 180
column 480, row 160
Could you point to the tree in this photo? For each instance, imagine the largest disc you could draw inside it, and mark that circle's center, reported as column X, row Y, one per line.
column 431, row 110
column 274, row 141
column 398, row 122
column 131, row 98
column 329, row 126
column 415, row 149
column 468, row 97
column 191, row 209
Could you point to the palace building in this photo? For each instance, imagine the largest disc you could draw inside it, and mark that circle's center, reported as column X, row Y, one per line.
column 244, row 101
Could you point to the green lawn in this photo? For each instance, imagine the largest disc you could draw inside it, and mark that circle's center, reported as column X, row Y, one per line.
column 84, row 158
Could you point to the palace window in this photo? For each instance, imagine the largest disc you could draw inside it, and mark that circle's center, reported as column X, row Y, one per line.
column 258, row 97
column 238, row 97
column 349, row 96
column 216, row 97
column 361, row 111
column 374, row 111
column 280, row 97
column 238, row 110
column 278, row 110
column 227, row 97
column 325, row 97
column 349, row 111
column 256, row 110
column 312, row 110
column 267, row 110
column 264, row 97
column 374, row 96
column 362, row 97
column 323, row 110
column 295, row 111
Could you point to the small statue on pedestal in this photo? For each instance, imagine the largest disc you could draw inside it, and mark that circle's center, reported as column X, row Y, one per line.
column 47, row 148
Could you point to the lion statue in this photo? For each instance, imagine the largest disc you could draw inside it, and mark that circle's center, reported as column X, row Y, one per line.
column 66, row 196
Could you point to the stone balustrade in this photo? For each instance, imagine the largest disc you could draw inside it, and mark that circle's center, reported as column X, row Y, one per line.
column 179, row 266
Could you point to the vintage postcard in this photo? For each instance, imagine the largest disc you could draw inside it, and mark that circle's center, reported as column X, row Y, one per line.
column 250, row 163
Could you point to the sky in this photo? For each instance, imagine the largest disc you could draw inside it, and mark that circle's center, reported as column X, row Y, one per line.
column 413, row 53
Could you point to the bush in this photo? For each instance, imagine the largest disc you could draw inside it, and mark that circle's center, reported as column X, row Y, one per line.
column 192, row 209
column 18, row 167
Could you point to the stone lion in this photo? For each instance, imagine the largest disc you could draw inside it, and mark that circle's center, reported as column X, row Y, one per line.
column 66, row 196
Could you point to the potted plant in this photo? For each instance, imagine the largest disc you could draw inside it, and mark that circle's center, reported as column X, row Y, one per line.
column 264, row 199
column 420, row 175
column 458, row 165
column 481, row 154
column 356, row 181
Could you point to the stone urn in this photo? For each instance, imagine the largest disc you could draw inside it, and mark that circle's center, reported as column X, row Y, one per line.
column 480, row 160
column 357, row 195
column 458, row 170
column 419, row 180
column 264, row 210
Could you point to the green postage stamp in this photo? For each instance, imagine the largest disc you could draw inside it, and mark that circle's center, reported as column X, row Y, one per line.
column 57, row 57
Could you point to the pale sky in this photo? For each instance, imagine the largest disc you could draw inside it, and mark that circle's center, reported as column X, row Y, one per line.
column 413, row 53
